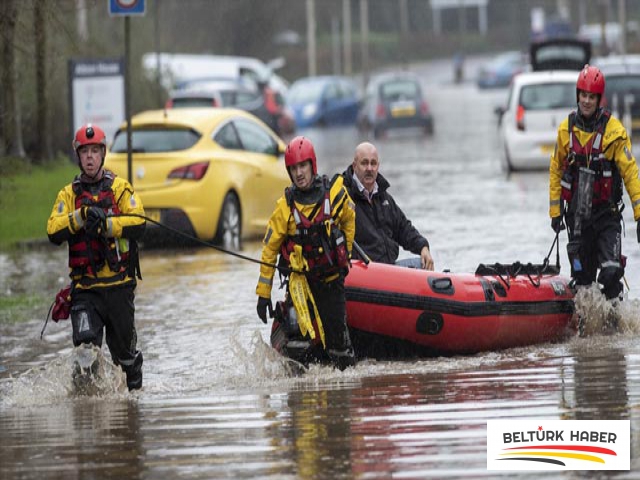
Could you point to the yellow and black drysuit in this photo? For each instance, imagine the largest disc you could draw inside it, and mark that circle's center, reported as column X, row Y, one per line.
column 313, row 230
column 592, row 160
column 104, row 266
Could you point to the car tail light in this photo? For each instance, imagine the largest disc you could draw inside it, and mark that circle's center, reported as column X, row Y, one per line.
column 270, row 101
column 520, row 118
column 168, row 104
column 380, row 111
column 424, row 108
column 195, row 171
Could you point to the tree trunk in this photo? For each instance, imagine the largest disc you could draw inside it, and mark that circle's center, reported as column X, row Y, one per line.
column 43, row 138
column 12, row 132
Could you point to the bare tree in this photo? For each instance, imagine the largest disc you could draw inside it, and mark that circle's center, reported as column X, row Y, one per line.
column 43, row 138
column 12, row 131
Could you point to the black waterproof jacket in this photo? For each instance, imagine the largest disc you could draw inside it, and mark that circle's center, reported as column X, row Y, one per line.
column 381, row 227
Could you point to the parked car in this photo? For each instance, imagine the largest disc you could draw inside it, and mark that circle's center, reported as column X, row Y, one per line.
column 499, row 72
column 260, row 100
column 214, row 173
column 622, row 90
column 539, row 101
column 394, row 100
column 323, row 101
column 215, row 92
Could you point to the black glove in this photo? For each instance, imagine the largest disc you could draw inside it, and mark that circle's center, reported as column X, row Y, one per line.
column 96, row 222
column 638, row 230
column 263, row 304
column 556, row 224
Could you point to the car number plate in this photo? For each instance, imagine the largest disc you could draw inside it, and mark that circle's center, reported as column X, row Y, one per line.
column 547, row 149
column 403, row 110
column 153, row 214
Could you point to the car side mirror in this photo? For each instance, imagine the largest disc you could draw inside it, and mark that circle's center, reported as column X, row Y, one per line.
column 499, row 111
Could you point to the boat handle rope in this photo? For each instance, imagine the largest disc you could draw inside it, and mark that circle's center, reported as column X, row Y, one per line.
column 504, row 279
column 517, row 267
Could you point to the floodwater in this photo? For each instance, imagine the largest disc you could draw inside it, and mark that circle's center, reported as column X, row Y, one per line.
column 218, row 403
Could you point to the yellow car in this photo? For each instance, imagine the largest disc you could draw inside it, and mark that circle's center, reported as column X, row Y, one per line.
column 214, row 173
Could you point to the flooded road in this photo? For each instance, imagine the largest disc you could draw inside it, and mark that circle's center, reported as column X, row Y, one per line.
column 218, row 403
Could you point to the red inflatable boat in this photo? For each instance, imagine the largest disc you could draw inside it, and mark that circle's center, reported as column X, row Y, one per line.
column 394, row 311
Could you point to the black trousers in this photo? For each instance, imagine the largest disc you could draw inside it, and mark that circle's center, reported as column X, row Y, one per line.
column 111, row 311
column 331, row 302
column 599, row 247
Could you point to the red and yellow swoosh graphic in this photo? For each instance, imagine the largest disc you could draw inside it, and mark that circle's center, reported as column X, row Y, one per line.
column 545, row 453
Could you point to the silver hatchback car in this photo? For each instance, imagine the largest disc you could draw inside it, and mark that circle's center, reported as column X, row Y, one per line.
column 539, row 101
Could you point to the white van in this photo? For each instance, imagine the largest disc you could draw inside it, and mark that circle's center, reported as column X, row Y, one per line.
column 177, row 69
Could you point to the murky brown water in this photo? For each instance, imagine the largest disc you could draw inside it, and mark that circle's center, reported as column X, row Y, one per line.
column 218, row 403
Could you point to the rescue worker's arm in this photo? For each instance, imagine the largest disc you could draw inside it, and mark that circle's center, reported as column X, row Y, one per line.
column 628, row 168
column 556, row 166
column 124, row 226
column 273, row 239
column 343, row 210
column 347, row 220
column 64, row 220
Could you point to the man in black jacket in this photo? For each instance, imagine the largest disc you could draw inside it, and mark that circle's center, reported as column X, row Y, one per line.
column 381, row 227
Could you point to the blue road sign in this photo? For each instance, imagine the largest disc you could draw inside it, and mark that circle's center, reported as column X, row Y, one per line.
column 122, row 8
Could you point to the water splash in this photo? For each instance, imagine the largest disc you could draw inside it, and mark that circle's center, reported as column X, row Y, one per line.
column 597, row 312
column 95, row 377
column 260, row 360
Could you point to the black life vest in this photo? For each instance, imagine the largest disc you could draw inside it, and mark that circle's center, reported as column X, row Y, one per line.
column 607, row 185
column 88, row 254
column 323, row 243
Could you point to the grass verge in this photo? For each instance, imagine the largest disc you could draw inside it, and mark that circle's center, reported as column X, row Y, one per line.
column 27, row 195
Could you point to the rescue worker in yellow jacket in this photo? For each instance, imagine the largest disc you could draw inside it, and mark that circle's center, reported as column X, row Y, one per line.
column 312, row 228
column 103, row 254
column 592, row 160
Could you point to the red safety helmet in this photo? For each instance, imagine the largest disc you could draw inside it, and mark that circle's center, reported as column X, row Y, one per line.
column 89, row 135
column 299, row 150
column 591, row 80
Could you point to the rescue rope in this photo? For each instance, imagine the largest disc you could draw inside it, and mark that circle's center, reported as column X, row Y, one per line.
column 281, row 269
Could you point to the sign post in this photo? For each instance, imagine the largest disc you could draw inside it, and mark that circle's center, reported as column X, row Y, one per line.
column 126, row 8
column 96, row 88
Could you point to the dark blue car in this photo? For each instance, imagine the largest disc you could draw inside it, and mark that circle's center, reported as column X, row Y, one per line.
column 500, row 70
column 324, row 101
